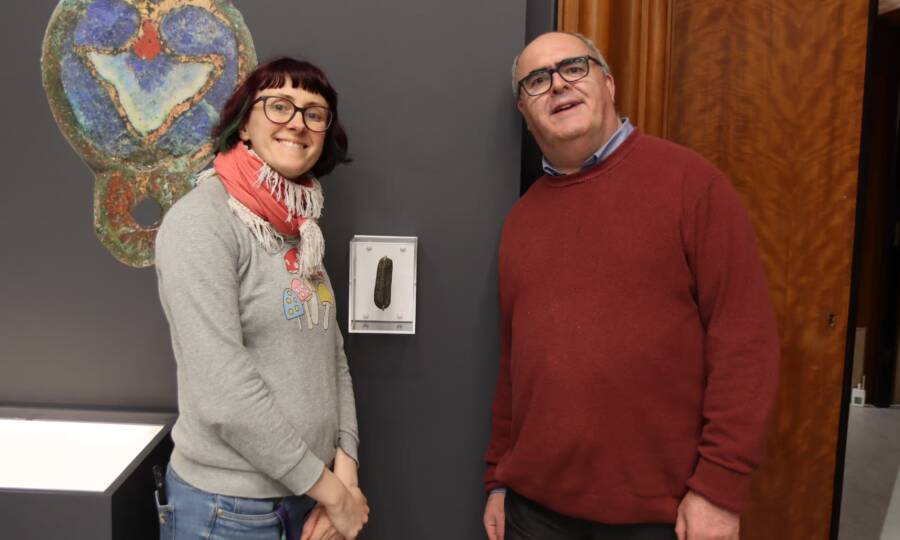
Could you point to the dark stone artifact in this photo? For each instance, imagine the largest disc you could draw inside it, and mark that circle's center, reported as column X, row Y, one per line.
column 383, row 278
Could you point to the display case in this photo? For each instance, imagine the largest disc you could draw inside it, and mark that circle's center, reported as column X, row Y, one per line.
column 80, row 474
column 383, row 284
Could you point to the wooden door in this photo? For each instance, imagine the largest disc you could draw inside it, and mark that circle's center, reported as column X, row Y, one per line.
column 771, row 92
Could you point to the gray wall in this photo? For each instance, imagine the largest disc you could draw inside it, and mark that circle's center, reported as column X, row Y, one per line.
column 436, row 141
column 541, row 18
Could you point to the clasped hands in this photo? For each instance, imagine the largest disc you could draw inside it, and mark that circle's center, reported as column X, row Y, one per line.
column 319, row 525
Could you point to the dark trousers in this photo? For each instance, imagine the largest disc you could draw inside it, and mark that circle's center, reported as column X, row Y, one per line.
column 527, row 520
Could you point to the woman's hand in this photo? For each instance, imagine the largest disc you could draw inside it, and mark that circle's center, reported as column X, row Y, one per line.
column 350, row 514
column 345, row 507
column 318, row 526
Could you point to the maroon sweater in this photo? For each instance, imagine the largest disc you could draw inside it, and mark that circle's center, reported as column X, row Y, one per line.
column 639, row 350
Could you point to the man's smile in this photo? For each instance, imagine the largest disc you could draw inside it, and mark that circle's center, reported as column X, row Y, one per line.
column 564, row 106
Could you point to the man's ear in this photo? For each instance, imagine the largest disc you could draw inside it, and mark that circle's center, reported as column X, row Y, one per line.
column 610, row 85
column 521, row 107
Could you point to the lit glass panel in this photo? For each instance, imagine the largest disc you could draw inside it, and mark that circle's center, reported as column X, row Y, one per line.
column 74, row 456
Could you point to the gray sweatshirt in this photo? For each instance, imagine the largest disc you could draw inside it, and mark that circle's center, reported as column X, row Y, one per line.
column 264, row 390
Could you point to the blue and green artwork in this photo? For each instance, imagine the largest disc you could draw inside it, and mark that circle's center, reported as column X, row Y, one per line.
column 136, row 87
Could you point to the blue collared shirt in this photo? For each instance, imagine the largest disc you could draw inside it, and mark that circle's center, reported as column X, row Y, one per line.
column 608, row 148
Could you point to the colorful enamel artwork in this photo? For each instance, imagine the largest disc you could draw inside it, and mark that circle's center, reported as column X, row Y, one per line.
column 136, row 87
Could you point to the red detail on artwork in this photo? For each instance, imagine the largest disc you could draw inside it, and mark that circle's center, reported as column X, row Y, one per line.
column 147, row 46
column 121, row 195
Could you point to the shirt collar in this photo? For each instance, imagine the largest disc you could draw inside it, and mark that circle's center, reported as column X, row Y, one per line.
column 602, row 153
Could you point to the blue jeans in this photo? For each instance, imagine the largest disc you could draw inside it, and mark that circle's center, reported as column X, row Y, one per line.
column 194, row 514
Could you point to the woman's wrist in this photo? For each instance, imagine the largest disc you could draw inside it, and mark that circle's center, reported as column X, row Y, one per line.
column 349, row 480
column 345, row 468
column 329, row 490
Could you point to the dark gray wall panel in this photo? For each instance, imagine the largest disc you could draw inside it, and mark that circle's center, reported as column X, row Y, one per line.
column 541, row 18
column 436, row 142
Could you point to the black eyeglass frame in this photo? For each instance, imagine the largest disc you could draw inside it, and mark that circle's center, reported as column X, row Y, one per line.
column 296, row 108
column 550, row 71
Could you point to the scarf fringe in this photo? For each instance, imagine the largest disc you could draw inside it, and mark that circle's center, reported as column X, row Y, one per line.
column 312, row 243
column 304, row 201
column 204, row 175
column 312, row 249
column 269, row 238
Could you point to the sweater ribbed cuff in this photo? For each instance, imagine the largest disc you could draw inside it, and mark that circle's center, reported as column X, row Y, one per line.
column 721, row 486
column 490, row 480
column 350, row 445
column 304, row 475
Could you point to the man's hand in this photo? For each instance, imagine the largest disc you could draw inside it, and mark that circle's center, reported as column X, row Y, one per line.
column 495, row 516
column 699, row 519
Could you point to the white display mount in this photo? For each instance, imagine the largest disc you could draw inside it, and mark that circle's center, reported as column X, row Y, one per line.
column 400, row 316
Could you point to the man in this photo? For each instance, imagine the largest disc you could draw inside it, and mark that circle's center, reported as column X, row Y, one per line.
column 639, row 349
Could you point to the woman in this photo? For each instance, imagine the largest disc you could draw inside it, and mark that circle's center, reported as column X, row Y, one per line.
column 264, row 392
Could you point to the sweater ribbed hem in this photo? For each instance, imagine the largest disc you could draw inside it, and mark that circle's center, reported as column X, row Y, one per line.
column 722, row 487
column 611, row 509
column 232, row 482
column 250, row 484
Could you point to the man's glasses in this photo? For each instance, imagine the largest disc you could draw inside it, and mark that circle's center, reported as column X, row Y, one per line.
column 281, row 111
column 574, row 69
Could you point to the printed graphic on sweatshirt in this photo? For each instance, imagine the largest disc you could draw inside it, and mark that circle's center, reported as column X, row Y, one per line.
column 326, row 299
column 312, row 299
column 293, row 308
column 292, row 261
column 305, row 294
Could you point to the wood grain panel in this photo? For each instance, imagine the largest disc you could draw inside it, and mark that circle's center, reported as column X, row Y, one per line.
column 771, row 91
column 633, row 35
